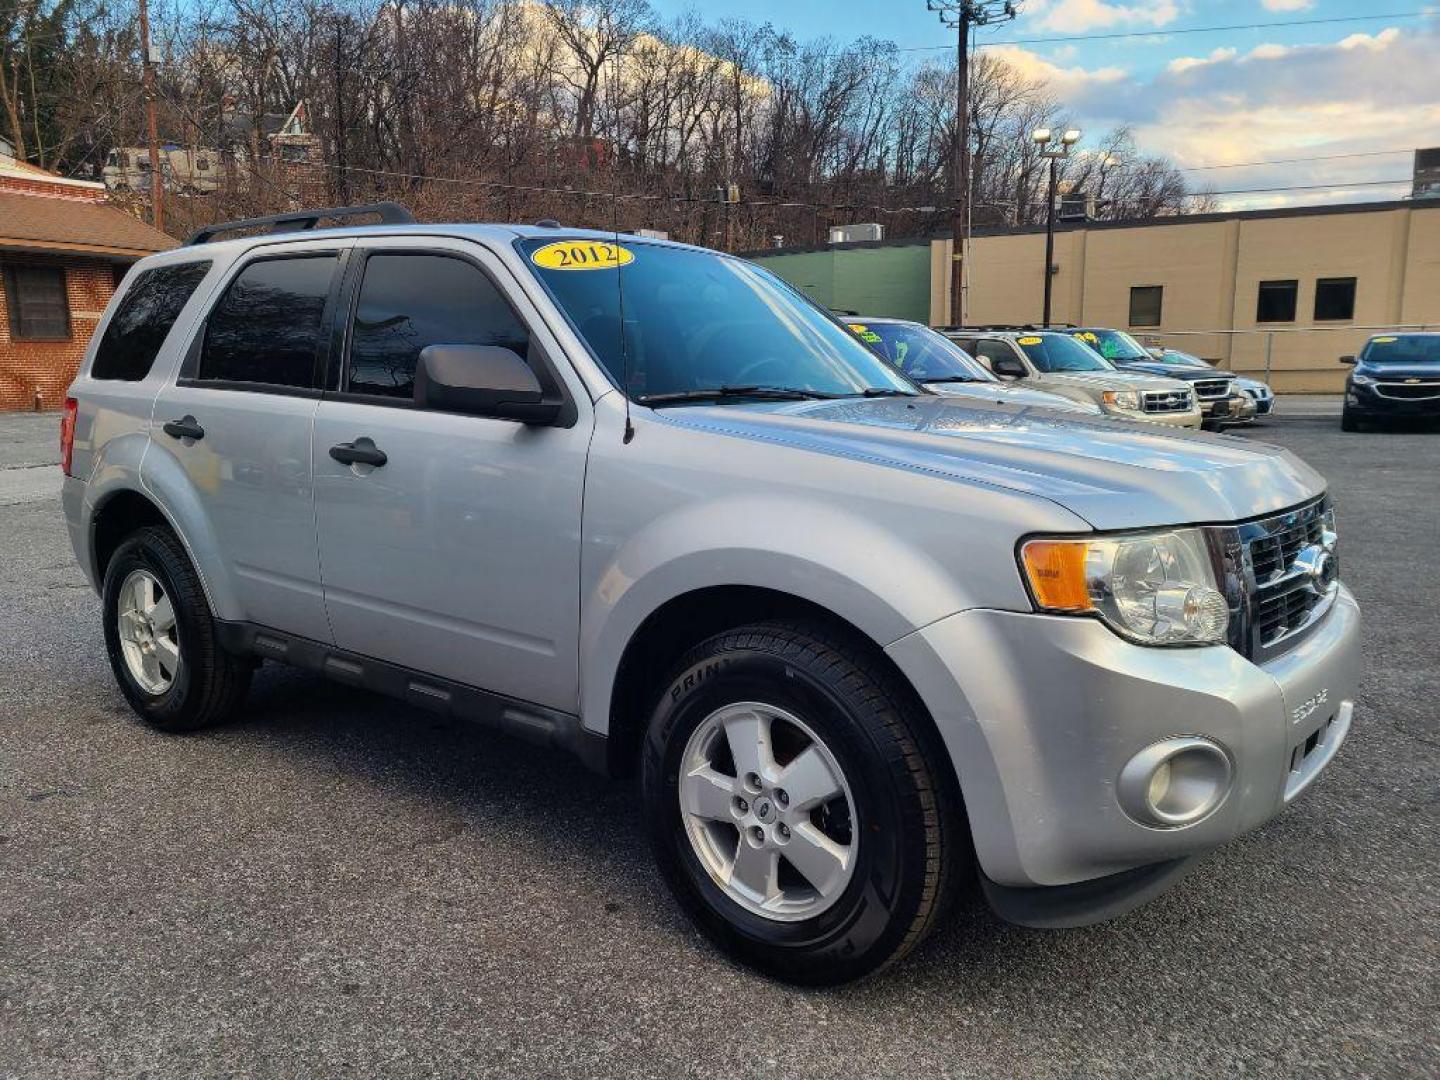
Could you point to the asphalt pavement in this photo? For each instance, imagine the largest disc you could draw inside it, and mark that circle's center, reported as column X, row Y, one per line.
column 337, row 885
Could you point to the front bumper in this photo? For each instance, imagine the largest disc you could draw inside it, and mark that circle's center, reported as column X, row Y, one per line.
column 1192, row 419
column 1041, row 713
column 1366, row 400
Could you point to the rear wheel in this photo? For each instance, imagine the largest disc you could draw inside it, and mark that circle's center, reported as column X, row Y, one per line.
column 160, row 636
column 791, row 808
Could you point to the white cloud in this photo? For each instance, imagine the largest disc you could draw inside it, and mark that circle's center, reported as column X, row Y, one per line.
column 1187, row 63
column 1070, row 16
column 1369, row 94
column 1064, row 81
column 1287, row 5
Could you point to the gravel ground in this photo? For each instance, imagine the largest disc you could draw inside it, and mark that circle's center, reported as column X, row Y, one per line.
column 339, row 886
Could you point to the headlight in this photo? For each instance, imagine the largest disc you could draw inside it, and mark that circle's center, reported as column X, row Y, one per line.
column 1155, row 589
column 1122, row 399
column 1361, row 380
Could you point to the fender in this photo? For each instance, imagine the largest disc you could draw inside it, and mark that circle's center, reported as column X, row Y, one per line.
column 811, row 550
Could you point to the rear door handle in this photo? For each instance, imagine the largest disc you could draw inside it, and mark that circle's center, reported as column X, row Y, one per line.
column 362, row 451
column 185, row 428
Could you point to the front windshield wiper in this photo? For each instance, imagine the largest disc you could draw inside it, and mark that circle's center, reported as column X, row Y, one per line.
column 724, row 393
column 886, row 391
column 950, row 379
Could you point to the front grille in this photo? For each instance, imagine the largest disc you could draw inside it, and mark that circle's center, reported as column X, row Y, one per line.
column 1409, row 391
column 1287, row 575
column 1167, row 401
column 1271, row 554
column 1212, row 389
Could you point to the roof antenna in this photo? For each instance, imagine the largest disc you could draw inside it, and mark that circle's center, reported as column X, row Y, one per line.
column 619, row 263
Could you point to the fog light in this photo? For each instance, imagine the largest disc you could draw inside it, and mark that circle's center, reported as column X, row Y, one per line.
column 1175, row 782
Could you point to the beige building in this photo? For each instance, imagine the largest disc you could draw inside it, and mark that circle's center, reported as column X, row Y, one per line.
column 1307, row 284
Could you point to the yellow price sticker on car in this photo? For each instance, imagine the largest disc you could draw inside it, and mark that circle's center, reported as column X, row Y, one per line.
column 1030, row 341
column 581, row 255
column 859, row 327
column 1384, row 340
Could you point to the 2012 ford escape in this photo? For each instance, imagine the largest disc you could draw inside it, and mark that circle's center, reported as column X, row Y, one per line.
column 646, row 503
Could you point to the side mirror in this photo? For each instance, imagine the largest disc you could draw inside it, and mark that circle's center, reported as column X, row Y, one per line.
column 482, row 380
column 1347, row 360
column 1009, row 367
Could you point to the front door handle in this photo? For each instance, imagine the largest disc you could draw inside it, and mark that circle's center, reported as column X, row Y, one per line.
column 360, row 452
column 187, row 427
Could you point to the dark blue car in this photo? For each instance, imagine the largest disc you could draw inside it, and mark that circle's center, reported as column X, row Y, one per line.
column 1396, row 376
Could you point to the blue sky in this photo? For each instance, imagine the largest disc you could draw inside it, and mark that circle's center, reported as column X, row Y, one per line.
column 1225, row 98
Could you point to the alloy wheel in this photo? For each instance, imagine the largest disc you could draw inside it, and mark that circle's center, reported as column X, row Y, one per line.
column 768, row 811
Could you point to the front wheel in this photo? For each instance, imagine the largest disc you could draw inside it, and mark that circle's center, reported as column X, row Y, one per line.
column 1349, row 421
column 792, row 809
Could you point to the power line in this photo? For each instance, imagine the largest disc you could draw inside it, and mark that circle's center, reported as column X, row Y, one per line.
column 1297, row 187
column 1296, row 160
column 1181, row 30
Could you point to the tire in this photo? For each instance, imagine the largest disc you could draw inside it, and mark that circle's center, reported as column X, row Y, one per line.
column 203, row 684
column 1348, row 421
column 897, row 819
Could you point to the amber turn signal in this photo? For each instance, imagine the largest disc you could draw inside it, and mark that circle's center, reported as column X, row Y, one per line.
column 1056, row 569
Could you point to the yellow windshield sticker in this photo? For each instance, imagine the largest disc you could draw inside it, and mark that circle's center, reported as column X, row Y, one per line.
column 859, row 327
column 581, row 255
column 1384, row 340
column 1030, row 341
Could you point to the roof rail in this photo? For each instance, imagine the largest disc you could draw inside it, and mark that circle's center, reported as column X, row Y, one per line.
column 389, row 213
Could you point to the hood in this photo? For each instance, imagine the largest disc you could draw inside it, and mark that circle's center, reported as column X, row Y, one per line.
column 1116, row 474
column 1426, row 372
column 1170, row 371
column 1110, row 380
column 1015, row 395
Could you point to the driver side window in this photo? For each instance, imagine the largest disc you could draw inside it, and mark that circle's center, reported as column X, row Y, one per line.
column 409, row 301
column 990, row 351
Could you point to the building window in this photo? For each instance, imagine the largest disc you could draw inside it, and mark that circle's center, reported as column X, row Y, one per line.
column 38, row 304
column 1145, row 303
column 1334, row 299
column 1277, row 301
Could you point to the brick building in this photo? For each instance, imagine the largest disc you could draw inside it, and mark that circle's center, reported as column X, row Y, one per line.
column 62, row 252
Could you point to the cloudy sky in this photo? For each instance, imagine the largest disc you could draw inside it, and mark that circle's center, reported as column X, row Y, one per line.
column 1221, row 98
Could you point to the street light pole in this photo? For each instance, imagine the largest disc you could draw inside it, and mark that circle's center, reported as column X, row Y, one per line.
column 1050, row 239
column 1042, row 137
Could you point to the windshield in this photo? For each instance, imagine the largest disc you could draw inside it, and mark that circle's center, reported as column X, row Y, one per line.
column 1403, row 349
column 920, row 352
column 1114, row 344
column 698, row 321
column 1058, row 352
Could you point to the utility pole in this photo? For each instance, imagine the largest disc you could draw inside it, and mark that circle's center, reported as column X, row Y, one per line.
column 147, row 77
column 961, row 16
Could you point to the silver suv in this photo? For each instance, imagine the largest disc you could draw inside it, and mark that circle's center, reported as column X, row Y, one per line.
column 1060, row 364
column 648, row 504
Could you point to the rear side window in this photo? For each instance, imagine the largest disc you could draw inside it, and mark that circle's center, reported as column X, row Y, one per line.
column 410, row 301
column 267, row 327
column 143, row 320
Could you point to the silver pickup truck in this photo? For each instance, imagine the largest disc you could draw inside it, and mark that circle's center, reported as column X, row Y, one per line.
column 861, row 643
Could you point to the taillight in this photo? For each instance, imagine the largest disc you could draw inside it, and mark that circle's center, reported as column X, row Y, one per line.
column 67, row 433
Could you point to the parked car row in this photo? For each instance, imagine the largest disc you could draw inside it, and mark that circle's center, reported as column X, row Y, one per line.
column 1094, row 370
column 861, row 643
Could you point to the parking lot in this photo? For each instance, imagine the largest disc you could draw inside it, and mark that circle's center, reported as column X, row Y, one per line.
column 338, row 885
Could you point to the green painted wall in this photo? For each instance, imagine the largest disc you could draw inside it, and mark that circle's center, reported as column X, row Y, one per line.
column 892, row 281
